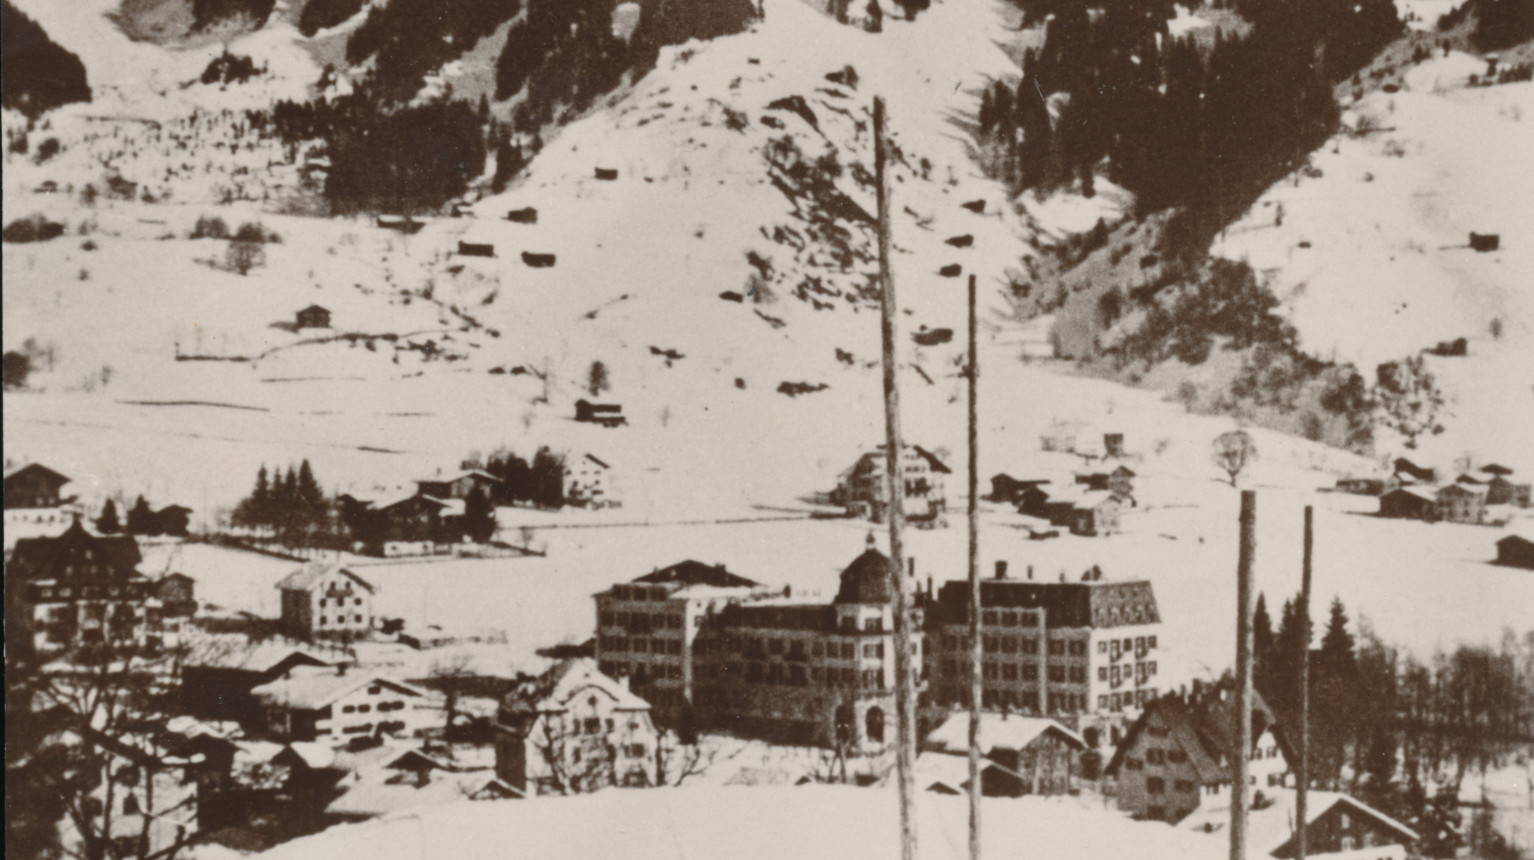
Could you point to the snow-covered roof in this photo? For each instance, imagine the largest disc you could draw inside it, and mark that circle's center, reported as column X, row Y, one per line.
column 945, row 771
column 811, row 822
column 555, row 688
column 311, row 688
column 308, row 577
column 1270, row 827
column 997, row 730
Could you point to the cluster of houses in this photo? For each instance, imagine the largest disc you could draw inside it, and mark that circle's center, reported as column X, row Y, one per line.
column 1480, row 497
column 1090, row 506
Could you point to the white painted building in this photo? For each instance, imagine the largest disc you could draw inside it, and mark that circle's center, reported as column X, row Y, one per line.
column 325, row 601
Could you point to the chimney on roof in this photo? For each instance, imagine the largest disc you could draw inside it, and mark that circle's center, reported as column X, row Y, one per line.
column 1062, row 576
column 788, row 591
column 1030, row 572
column 1001, row 569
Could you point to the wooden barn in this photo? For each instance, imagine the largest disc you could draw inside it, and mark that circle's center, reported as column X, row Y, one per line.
column 476, row 249
column 605, row 414
column 1516, row 551
column 314, row 316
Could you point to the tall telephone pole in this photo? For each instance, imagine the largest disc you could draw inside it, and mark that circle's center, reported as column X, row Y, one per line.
column 905, row 692
column 1242, row 754
column 1302, row 782
column 976, row 689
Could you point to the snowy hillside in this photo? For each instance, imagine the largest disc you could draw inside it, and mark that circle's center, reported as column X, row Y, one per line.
column 1367, row 246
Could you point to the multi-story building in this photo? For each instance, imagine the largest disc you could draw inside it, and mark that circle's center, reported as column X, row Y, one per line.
column 863, row 491
column 323, row 601
column 701, row 640
column 656, row 630
column 77, row 589
column 574, row 729
column 815, row 673
column 1177, row 757
column 1050, row 648
column 33, row 486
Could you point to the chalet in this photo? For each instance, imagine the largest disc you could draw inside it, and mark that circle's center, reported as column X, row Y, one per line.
column 1033, row 500
column 537, row 261
column 948, row 773
column 606, row 174
column 334, row 705
column 324, row 601
column 605, row 414
column 1483, row 242
column 216, row 683
column 586, row 483
column 1336, row 826
column 574, row 729
column 459, row 485
column 1096, row 514
column 75, row 589
column 1501, row 491
column 952, row 270
column 1176, row 758
column 863, row 492
column 172, row 520
column 1516, row 551
column 1407, row 503
column 1459, row 503
column 404, row 524
column 1406, row 467
column 476, row 249
column 33, row 486
column 400, row 223
column 1029, row 755
column 313, row 316
column 525, row 215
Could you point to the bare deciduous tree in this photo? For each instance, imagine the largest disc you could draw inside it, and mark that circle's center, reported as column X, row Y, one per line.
column 1233, row 452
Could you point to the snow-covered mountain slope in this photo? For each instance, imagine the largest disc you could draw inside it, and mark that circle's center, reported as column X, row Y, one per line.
column 1367, row 246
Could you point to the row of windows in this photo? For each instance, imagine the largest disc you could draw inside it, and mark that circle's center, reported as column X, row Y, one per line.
column 382, row 707
column 340, row 601
column 90, row 592
column 325, row 620
column 1115, row 675
column 1120, row 701
column 1009, row 618
column 639, row 592
column 1115, row 647
column 789, row 674
column 641, row 622
column 640, row 645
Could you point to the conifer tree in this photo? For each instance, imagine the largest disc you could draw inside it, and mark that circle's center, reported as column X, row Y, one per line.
column 140, row 518
column 107, row 523
column 478, row 516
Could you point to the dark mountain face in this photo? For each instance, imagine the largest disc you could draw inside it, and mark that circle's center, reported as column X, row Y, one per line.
column 37, row 74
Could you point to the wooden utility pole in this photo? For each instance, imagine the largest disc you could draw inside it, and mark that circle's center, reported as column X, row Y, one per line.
column 1302, row 786
column 905, row 698
column 976, row 689
column 1242, row 754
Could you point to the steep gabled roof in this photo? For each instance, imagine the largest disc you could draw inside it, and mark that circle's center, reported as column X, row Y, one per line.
column 692, row 572
column 1206, row 730
column 932, row 461
column 41, row 471
column 40, row 556
column 309, row 576
column 552, row 691
column 1461, row 490
column 1497, row 469
column 1003, row 731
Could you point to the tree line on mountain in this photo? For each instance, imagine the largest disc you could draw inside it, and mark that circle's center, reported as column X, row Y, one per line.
column 1177, row 124
column 36, row 74
column 1386, row 726
column 1498, row 23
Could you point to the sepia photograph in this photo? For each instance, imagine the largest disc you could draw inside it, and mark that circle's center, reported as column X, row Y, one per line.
column 768, row 429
